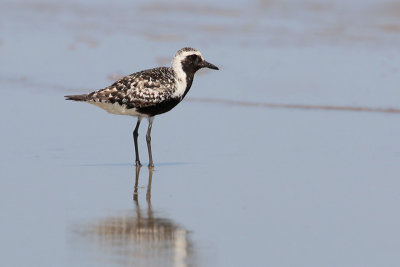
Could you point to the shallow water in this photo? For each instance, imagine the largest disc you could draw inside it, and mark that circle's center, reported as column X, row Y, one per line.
column 287, row 156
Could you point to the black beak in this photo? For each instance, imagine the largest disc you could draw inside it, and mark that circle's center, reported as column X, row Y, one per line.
column 206, row 64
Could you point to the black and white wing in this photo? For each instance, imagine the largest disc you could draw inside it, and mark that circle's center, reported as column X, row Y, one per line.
column 138, row 90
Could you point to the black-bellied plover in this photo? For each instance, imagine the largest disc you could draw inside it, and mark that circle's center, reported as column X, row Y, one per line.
column 149, row 92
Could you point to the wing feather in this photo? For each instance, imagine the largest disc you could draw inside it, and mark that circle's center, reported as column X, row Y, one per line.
column 138, row 90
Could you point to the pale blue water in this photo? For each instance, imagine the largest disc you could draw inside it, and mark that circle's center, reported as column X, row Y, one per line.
column 233, row 185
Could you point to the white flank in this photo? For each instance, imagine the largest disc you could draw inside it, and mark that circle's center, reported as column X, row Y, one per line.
column 180, row 74
column 117, row 109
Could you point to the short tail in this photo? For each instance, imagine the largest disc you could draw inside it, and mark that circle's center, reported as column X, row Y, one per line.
column 77, row 97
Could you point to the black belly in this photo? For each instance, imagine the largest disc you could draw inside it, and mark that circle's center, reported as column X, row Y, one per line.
column 160, row 108
column 169, row 104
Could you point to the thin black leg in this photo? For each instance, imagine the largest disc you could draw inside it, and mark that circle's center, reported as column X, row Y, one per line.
column 135, row 136
column 148, row 140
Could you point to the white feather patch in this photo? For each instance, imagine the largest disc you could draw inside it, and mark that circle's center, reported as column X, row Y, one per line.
column 180, row 74
column 117, row 109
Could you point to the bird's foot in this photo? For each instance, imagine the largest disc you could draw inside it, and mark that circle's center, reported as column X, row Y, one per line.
column 151, row 166
column 138, row 163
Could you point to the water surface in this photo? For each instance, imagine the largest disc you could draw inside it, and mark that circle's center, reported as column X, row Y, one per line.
column 287, row 156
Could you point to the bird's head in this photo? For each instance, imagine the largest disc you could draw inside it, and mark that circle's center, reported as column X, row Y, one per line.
column 190, row 60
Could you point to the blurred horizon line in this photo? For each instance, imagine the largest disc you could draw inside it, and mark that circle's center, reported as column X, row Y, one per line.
column 294, row 106
column 25, row 81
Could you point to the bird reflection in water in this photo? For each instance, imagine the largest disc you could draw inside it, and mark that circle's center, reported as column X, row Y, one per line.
column 144, row 239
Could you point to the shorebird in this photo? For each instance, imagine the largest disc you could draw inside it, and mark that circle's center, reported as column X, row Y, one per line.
column 148, row 93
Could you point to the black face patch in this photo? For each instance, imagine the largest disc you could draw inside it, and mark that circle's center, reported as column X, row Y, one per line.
column 191, row 64
column 194, row 58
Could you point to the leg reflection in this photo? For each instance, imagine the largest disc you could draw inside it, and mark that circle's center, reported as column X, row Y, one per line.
column 141, row 236
column 135, row 191
column 136, row 188
column 148, row 193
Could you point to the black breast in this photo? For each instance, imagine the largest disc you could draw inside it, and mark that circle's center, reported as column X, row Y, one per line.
column 160, row 108
column 168, row 104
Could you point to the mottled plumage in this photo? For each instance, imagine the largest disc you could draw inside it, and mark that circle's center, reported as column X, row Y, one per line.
column 141, row 89
column 149, row 92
